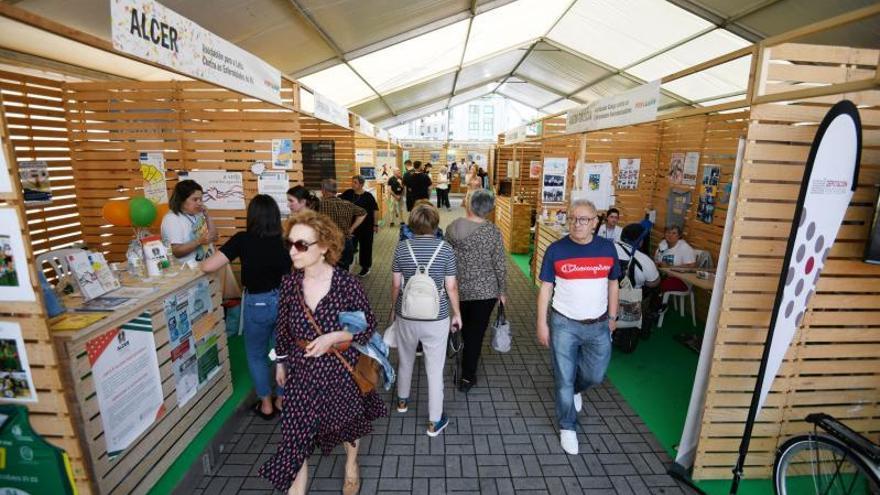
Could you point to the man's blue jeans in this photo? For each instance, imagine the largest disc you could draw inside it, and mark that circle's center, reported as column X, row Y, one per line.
column 260, row 315
column 580, row 353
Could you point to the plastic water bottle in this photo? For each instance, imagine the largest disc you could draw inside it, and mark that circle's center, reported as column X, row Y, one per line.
column 135, row 260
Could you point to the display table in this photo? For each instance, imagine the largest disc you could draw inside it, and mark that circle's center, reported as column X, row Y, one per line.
column 514, row 221
column 690, row 276
column 103, row 377
column 545, row 234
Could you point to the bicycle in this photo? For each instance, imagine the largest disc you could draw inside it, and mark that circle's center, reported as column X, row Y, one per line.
column 835, row 461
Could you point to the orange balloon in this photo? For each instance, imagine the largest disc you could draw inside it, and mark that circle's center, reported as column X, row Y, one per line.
column 161, row 210
column 116, row 212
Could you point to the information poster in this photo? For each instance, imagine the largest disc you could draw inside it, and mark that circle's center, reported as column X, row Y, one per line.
column 691, row 164
column 513, row 169
column 677, row 204
column 16, row 382
column 282, row 154
column 628, row 173
column 275, row 184
column 15, row 281
column 177, row 317
column 555, row 171
column 200, row 301
column 222, row 190
column 184, row 364
column 435, row 157
column 125, row 370
column 597, row 186
column 35, row 185
column 208, row 358
column 676, row 168
column 386, row 159
column 708, row 193
column 152, row 164
column 450, row 158
column 364, row 156
column 535, row 169
column 479, row 158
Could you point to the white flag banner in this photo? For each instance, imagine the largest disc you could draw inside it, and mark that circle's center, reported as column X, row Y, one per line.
column 150, row 31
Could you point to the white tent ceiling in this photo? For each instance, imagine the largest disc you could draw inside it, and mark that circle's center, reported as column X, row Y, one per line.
column 395, row 60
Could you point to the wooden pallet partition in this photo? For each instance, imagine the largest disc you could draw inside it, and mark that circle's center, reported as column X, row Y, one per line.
column 833, row 364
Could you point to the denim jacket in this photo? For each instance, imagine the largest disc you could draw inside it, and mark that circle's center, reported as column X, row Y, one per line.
column 355, row 322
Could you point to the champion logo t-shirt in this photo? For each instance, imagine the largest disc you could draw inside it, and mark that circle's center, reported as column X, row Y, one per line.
column 580, row 273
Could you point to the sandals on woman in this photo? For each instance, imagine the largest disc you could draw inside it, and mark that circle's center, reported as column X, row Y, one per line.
column 257, row 408
column 351, row 486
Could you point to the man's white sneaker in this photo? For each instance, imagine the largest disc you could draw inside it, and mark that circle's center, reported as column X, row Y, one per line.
column 569, row 441
column 578, row 402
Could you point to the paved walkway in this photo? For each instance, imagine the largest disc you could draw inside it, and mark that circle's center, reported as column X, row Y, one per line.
column 501, row 438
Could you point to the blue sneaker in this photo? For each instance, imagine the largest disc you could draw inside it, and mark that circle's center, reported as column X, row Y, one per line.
column 434, row 429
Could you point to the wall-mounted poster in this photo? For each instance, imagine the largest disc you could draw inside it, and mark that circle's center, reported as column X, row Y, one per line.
column 555, row 171
column 450, row 157
column 691, row 163
column 628, row 173
column 677, row 204
column 275, row 184
column 364, row 156
column 35, row 182
column 369, row 173
column 152, row 165
column 222, row 190
column 513, row 169
column 435, row 157
column 597, row 186
column 16, row 382
column 282, row 154
column 125, row 370
column 15, row 280
column 479, row 158
column 676, row 168
column 708, row 193
column 534, row 169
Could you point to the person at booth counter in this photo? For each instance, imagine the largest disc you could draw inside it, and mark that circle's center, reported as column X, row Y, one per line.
column 187, row 226
column 323, row 406
column 363, row 235
column 300, row 198
column 674, row 251
column 264, row 260
column 609, row 229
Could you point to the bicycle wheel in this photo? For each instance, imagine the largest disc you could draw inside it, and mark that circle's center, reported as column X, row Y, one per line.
column 822, row 465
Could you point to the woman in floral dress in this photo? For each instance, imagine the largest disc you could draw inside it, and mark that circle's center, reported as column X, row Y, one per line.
column 323, row 405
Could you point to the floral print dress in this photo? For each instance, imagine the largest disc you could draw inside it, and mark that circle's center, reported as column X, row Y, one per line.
column 323, row 406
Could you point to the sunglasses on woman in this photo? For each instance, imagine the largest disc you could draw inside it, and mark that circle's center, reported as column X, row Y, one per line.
column 302, row 246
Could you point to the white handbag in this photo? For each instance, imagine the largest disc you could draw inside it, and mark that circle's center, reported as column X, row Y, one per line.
column 390, row 335
column 501, row 339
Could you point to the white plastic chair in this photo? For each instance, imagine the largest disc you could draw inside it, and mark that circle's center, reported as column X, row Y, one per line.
column 679, row 303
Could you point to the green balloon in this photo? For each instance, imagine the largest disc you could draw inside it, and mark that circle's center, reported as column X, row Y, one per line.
column 142, row 212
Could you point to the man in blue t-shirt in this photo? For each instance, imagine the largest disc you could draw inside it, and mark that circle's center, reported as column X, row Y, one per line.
column 580, row 273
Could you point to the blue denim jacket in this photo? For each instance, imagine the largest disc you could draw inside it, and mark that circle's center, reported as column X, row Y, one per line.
column 355, row 322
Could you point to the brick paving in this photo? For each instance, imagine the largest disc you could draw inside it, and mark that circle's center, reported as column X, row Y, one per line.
column 501, row 438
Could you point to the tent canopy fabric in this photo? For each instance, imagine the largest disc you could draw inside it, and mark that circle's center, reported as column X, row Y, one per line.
column 396, row 60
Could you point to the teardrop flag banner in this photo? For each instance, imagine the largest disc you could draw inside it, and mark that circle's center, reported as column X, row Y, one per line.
column 829, row 181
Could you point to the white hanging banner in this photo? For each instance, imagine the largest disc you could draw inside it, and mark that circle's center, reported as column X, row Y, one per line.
column 630, row 107
column 329, row 110
column 826, row 190
column 365, row 127
column 150, row 31
column 516, row 135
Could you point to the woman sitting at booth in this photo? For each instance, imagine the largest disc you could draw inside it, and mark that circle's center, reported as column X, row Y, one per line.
column 674, row 251
column 187, row 226
column 264, row 260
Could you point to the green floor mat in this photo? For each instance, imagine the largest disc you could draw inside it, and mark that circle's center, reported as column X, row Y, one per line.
column 522, row 261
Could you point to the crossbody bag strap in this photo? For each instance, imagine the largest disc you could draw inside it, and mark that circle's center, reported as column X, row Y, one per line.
column 311, row 318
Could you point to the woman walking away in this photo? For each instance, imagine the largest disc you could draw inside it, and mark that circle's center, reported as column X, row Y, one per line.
column 482, row 277
column 424, row 308
column 443, row 189
column 264, row 260
column 323, row 406
column 300, row 198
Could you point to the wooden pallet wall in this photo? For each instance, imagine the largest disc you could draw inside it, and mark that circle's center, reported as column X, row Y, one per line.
column 343, row 139
column 38, row 131
column 569, row 146
column 196, row 125
column 833, row 364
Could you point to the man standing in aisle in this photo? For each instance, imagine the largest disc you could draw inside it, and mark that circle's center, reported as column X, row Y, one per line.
column 408, row 171
column 347, row 216
column 363, row 235
column 418, row 185
column 395, row 187
column 579, row 272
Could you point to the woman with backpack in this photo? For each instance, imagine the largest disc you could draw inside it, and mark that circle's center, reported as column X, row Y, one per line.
column 424, row 295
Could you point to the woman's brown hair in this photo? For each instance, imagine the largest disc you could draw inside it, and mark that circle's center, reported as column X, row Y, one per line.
column 328, row 234
column 423, row 219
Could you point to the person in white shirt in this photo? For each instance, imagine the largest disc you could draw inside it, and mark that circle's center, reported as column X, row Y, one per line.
column 674, row 251
column 645, row 273
column 443, row 189
column 187, row 226
column 610, row 230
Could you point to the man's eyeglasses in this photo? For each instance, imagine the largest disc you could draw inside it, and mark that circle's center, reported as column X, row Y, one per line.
column 581, row 220
column 302, row 246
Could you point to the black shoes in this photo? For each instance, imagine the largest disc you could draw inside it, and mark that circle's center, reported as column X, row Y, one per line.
column 364, row 272
column 465, row 385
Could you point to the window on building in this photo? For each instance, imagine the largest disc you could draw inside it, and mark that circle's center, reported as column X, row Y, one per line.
column 474, row 109
column 487, row 126
column 489, row 110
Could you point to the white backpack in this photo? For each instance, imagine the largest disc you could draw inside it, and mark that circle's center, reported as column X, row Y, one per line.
column 421, row 299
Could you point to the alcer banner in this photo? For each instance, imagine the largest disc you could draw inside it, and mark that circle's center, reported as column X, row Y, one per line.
column 631, row 107
column 150, row 31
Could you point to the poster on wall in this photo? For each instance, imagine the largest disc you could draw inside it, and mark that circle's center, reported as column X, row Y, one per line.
column 222, row 190
column 208, row 357
column 282, row 154
column 16, row 382
column 35, row 184
column 152, row 165
column 200, row 300
column 275, row 184
column 708, row 193
column 677, row 204
column 177, row 317
column 435, row 157
column 364, row 156
column 150, row 31
column 555, row 171
column 125, row 370
column 478, row 158
column 184, row 365
column 5, row 182
column 628, row 173
column 534, row 169
column 513, row 169
column 369, row 173
column 691, row 164
column 597, row 186
column 450, row 158
column 15, row 280
column 676, row 168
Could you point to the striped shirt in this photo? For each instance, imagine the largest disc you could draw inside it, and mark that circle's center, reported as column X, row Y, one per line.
column 443, row 266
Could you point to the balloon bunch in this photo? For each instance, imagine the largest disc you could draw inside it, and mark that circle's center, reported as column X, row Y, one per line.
column 136, row 212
